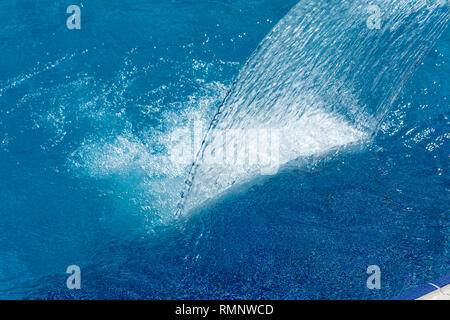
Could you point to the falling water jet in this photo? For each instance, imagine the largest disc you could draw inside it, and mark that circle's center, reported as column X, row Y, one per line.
column 324, row 77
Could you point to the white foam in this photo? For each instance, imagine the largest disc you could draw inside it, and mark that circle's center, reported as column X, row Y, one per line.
column 148, row 167
column 260, row 151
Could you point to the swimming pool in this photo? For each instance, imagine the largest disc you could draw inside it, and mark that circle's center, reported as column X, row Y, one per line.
column 91, row 120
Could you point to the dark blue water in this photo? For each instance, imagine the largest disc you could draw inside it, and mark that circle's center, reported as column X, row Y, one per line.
column 86, row 125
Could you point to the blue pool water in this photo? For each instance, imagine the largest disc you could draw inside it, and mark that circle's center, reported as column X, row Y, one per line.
column 90, row 122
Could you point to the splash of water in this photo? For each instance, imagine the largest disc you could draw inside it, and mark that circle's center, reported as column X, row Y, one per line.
column 323, row 78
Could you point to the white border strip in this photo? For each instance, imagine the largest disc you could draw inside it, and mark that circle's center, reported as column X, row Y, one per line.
column 439, row 294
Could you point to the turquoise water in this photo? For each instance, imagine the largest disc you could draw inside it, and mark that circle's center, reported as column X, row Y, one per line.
column 92, row 122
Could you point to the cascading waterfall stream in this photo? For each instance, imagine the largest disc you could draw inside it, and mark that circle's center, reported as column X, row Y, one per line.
column 325, row 77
